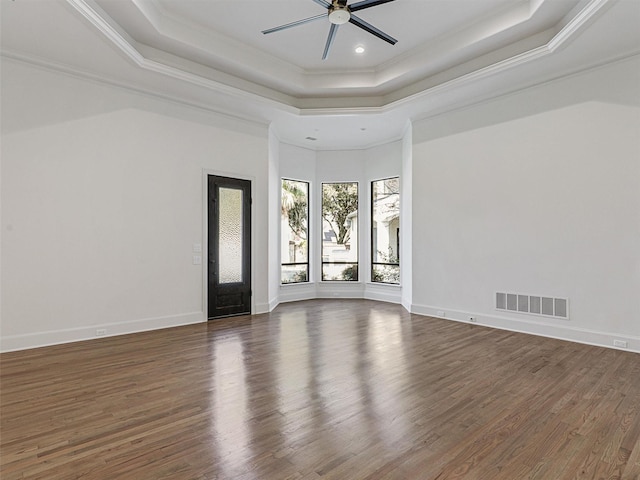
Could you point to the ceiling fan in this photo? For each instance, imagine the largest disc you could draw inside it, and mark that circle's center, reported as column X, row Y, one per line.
column 340, row 13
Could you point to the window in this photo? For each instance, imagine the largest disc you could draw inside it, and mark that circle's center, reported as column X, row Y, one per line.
column 294, row 208
column 385, row 230
column 340, row 231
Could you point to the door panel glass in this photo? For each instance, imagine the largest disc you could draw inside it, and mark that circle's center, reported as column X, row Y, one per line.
column 230, row 233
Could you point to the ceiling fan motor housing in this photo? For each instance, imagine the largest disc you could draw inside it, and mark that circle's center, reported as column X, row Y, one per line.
column 339, row 14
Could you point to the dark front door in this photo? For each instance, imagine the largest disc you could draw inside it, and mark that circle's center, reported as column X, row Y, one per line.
column 229, row 264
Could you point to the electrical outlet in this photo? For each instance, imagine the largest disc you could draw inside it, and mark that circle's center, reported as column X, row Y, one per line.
column 620, row 343
column 101, row 332
column 472, row 319
column 441, row 313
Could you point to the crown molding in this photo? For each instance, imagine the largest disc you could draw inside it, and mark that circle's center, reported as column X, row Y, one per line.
column 561, row 39
column 91, row 13
column 577, row 23
column 288, row 104
column 83, row 75
column 308, row 106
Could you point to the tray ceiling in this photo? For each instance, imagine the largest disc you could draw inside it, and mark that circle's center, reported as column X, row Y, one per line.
column 211, row 54
column 433, row 36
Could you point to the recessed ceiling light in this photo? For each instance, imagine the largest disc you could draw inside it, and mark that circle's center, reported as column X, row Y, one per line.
column 359, row 49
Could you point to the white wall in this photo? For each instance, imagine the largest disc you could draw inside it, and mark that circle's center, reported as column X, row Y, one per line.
column 102, row 201
column 274, row 219
column 406, row 218
column 542, row 204
column 382, row 161
column 341, row 166
column 298, row 163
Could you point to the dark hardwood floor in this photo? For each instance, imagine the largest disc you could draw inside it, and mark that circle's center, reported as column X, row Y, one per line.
column 323, row 389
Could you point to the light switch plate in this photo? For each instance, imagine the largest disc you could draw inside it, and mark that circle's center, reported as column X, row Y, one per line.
column 197, row 247
column 197, row 259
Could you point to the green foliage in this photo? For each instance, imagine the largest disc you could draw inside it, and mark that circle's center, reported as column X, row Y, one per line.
column 297, row 277
column 294, row 206
column 350, row 273
column 339, row 200
column 386, row 187
column 386, row 273
column 388, row 257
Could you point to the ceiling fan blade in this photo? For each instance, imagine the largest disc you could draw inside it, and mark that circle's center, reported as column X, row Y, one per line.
column 354, row 7
column 332, row 35
column 323, row 3
column 295, row 24
column 358, row 22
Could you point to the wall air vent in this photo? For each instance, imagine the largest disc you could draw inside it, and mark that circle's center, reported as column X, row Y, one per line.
column 533, row 304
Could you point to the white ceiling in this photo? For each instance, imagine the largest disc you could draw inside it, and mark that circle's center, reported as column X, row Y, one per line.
column 212, row 54
column 433, row 35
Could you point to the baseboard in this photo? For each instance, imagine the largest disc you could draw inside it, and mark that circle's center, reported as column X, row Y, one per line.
column 296, row 292
column 273, row 304
column 55, row 337
column 340, row 290
column 262, row 308
column 383, row 293
column 406, row 304
column 559, row 331
column 370, row 291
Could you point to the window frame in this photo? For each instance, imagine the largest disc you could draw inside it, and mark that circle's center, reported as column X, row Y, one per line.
column 356, row 263
column 308, row 228
column 372, row 236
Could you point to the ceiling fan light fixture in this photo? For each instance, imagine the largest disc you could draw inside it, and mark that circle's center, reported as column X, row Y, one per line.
column 339, row 16
column 339, row 12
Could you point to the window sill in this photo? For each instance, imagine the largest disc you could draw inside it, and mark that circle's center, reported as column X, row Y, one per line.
column 296, row 284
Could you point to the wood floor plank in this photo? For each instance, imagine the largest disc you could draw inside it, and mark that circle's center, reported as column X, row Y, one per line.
column 317, row 390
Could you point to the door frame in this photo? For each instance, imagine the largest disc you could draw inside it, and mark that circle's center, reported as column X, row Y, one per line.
column 205, row 236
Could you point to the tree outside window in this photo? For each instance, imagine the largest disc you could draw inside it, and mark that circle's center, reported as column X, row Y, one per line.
column 340, row 231
column 294, row 210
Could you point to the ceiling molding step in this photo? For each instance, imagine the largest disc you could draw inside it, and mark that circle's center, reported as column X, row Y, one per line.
column 530, row 88
column 458, row 82
column 560, row 39
column 565, row 35
column 91, row 14
column 577, row 23
column 168, row 25
column 98, row 21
